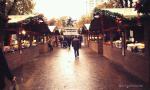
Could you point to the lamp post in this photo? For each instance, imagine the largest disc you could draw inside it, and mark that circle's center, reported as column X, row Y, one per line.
column 99, row 33
column 121, row 27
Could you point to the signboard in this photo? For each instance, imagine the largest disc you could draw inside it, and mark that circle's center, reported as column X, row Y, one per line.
column 70, row 32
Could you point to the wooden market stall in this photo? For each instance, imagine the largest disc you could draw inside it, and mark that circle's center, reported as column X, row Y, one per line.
column 124, row 43
column 25, row 39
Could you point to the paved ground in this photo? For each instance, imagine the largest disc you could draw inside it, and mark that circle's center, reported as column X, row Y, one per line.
column 59, row 70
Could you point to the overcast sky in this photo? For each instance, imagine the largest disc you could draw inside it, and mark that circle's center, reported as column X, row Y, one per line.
column 58, row 8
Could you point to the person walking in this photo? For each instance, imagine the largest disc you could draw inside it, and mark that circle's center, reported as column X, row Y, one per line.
column 69, row 42
column 131, row 2
column 121, row 3
column 81, row 40
column 50, row 47
column 5, row 71
column 76, row 46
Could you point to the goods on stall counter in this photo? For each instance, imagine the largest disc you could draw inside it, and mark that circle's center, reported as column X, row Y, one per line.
column 117, row 43
column 138, row 46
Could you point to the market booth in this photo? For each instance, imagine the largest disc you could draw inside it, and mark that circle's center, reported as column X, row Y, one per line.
column 124, row 44
column 127, row 48
column 25, row 39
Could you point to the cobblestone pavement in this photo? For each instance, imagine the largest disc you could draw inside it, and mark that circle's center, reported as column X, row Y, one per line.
column 59, row 70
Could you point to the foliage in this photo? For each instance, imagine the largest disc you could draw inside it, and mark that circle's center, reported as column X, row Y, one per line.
column 52, row 21
column 36, row 24
column 58, row 22
column 144, row 7
column 19, row 7
column 84, row 20
column 110, row 4
column 108, row 18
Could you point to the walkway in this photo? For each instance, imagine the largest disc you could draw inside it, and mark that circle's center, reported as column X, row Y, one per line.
column 59, row 70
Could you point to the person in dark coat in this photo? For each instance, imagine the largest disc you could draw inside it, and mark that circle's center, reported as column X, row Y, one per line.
column 81, row 40
column 50, row 47
column 121, row 3
column 4, row 71
column 131, row 2
column 76, row 46
column 69, row 42
column 125, row 3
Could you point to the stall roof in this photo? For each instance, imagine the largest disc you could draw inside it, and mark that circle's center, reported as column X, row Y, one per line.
column 41, row 27
column 18, row 18
column 126, row 12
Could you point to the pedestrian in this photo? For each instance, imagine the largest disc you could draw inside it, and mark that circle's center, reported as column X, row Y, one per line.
column 121, row 3
column 69, row 42
column 50, row 47
column 126, row 3
column 5, row 71
column 76, row 45
column 81, row 40
column 61, row 41
column 131, row 2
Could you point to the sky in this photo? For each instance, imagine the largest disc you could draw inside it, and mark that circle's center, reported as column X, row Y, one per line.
column 58, row 8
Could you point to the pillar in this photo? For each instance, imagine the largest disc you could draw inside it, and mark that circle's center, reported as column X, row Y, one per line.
column 146, row 25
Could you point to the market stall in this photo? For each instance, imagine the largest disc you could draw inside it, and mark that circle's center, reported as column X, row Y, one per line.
column 25, row 39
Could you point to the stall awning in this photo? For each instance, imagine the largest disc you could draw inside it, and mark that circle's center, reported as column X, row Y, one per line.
column 126, row 12
column 18, row 18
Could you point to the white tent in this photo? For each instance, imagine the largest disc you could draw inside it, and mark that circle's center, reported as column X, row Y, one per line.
column 51, row 28
column 87, row 26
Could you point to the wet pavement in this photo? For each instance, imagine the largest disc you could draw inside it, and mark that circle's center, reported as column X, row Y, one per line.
column 59, row 70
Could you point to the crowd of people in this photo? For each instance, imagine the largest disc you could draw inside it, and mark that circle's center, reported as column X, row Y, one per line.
column 126, row 3
column 66, row 42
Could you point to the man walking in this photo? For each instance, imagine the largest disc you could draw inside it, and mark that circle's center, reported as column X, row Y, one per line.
column 76, row 46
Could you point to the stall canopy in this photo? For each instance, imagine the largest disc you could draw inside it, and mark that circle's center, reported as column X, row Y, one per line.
column 33, row 23
column 126, row 12
column 107, row 18
column 95, row 26
column 18, row 18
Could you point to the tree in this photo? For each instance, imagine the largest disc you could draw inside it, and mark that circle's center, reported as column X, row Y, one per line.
column 12, row 7
column 110, row 4
column 19, row 7
column 59, row 23
column 84, row 20
column 52, row 22
column 145, row 9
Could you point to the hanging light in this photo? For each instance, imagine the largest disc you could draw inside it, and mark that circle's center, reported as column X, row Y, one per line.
column 23, row 32
column 96, row 16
